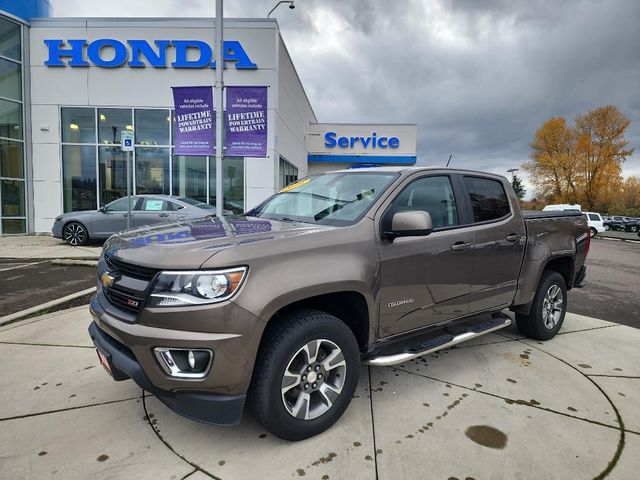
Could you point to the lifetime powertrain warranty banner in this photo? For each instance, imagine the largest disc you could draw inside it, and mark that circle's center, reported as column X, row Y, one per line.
column 246, row 117
column 194, row 130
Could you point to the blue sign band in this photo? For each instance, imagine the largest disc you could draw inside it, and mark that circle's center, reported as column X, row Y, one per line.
column 385, row 159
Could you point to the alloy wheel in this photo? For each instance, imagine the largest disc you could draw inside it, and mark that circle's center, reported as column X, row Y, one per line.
column 552, row 306
column 75, row 234
column 313, row 379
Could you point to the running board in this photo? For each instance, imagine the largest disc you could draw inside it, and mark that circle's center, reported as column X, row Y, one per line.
column 445, row 340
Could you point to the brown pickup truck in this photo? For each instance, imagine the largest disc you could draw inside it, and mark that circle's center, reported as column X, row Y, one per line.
column 279, row 307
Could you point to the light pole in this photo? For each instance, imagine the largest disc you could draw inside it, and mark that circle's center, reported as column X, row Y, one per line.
column 218, row 47
column 290, row 2
column 513, row 171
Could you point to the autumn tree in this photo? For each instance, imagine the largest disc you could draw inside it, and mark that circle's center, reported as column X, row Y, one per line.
column 600, row 150
column 581, row 164
column 553, row 168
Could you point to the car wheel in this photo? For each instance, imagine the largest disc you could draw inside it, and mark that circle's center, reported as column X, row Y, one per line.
column 592, row 232
column 306, row 374
column 634, row 229
column 75, row 234
column 606, row 227
column 548, row 308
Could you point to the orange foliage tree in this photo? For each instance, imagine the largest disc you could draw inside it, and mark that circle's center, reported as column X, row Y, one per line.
column 581, row 163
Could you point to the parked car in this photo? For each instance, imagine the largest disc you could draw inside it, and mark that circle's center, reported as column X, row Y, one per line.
column 76, row 228
column 616, row 222
column 632, row 225
column 278, row 308
column 596, row 223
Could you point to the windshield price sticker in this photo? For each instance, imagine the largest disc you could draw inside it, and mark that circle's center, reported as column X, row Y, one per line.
column 295, row 185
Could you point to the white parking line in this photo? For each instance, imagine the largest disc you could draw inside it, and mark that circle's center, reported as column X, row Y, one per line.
column 18, row 265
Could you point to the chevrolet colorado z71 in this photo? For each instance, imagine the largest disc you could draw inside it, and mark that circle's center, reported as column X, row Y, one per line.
column 278, row 308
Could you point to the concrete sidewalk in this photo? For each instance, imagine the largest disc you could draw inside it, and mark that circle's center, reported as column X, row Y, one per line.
column 44, row 247
column 497, row 407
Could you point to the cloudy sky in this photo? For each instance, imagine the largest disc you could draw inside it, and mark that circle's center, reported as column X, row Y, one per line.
column 478, row 77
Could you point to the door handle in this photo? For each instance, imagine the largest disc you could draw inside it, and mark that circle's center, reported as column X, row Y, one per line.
column 164, row 214
column 459, row 246
column 513, row 237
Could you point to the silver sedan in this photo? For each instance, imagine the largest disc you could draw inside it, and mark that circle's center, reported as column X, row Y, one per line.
column 76, row 228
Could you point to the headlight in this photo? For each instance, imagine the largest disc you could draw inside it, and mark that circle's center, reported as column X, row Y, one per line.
column 174, row 289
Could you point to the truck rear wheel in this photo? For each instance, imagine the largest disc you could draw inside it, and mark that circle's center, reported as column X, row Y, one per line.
column 548, row 308
column 305, row 375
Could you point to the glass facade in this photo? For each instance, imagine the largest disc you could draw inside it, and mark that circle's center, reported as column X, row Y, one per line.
column 13, row 211
column 95, row 169
column 288, row 173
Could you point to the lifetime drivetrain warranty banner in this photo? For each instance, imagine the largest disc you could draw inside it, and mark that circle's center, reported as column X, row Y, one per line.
column 246, row 117
column 194, row 129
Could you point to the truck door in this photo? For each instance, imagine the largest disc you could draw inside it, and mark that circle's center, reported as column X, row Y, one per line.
column 425, row 279
column 499, row 240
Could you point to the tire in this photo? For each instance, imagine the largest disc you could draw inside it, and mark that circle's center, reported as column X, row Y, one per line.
column 274, row 398
column 75, row 234
column 592, row 232
column 543, row 321
column 606, row 227
column 634, row 229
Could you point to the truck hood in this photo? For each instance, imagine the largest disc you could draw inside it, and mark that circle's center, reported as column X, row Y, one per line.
column 189, row 244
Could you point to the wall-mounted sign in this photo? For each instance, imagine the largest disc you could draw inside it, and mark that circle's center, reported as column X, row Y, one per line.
column 126, row 141
column 331, row 140
column 246, row 118
column 194, row 130
column 112, row 53
column 362, row 143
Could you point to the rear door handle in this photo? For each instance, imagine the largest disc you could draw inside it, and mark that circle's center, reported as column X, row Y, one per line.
column 459, row 246
column 513, row 237
column 164, row 214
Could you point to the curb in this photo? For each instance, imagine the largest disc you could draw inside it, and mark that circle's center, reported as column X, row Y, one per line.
column 628, row 240
column 29, row 311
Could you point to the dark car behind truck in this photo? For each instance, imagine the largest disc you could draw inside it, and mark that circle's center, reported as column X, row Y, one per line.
column 279, row 307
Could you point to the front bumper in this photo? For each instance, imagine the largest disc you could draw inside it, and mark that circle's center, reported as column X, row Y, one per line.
column 202, row 406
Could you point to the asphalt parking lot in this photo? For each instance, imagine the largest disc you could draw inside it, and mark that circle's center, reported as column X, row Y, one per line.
column 28, row 283
column 613, row 283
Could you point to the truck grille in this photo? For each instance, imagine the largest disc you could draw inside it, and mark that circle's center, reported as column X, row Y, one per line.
column 123, row 300
column 129, row 269
column 129, row 291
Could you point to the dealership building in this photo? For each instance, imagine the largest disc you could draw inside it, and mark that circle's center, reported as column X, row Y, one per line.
column 70, row 86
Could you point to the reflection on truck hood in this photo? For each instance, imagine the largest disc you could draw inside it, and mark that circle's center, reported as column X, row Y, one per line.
column 189, row 244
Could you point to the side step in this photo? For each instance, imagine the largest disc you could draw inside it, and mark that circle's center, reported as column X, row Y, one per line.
column 448, row 337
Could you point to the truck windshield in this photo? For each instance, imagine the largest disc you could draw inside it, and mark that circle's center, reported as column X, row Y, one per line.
column 330, row 199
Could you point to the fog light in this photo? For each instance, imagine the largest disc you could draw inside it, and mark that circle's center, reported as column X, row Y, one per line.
column 183, row 362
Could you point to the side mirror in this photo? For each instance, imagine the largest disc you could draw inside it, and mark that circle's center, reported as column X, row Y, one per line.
column 413, row 223
column 102, row 209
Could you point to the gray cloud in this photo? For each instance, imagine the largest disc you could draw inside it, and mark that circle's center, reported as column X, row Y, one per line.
column 477, row 77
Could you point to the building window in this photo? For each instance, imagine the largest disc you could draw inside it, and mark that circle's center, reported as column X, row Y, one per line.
column 95, row 168
column 13, row 209
column 79, row 177
column 190, row 177
column 288, row 173
column 233, row 168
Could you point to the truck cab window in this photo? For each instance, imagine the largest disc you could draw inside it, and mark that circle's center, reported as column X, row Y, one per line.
column 488, row 198
column 430, row 194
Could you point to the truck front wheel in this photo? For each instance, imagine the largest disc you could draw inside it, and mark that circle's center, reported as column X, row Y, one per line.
column 547, row 310
column 305, row 375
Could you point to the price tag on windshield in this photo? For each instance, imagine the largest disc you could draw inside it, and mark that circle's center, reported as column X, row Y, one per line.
column 295, row 185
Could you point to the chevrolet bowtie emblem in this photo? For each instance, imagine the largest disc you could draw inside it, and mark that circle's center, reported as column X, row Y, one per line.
column 107, row 279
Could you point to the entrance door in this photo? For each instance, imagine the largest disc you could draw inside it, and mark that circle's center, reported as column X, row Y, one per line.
column 425, row 280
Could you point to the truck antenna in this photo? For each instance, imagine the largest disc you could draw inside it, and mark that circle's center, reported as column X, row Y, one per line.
column 448, row 161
